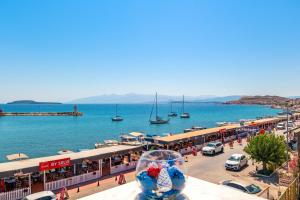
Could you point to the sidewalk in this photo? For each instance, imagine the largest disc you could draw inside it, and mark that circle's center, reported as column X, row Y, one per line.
column 92, row 188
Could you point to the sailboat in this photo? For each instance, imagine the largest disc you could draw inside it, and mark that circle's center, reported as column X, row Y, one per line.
column 172, row 114
column 157, row 120
column 184, row 114
column 117, row 118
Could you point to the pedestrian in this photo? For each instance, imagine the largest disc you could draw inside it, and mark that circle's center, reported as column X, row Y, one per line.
column 62, row 194
column 122, row 179
column 194, row 151
column 66, row 193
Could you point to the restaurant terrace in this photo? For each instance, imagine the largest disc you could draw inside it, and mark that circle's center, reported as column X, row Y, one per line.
column 20, row 178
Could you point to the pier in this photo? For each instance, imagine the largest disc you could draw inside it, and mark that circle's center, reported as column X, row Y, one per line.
column 41, row 114
column 74, row 113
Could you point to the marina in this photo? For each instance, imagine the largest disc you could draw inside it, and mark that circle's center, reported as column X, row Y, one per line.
column 30, row 134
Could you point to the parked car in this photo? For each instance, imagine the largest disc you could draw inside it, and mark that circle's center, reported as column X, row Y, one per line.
column 280, row 126
column 250, row 189
column 290, row 124
column 212, row 148
column 45, row 195
column 236, row 162
column 293, row 144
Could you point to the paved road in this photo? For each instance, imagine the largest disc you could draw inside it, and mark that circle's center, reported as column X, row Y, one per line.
column 211, row 168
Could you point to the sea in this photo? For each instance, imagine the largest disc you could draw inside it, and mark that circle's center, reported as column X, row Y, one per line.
column 46, row 135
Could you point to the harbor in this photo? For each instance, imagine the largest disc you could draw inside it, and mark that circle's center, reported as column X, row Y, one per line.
column 96, row 125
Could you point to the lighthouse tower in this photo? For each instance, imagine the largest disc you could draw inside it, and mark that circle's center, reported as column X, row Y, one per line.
column 75, row 110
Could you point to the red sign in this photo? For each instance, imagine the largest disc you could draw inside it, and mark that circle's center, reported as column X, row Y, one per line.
column 54, row 164
column 222, row 131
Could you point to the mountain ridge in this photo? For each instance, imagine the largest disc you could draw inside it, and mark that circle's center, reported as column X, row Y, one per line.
column 146, row 98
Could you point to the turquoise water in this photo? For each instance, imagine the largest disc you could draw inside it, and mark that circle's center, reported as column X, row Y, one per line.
column 43, row 136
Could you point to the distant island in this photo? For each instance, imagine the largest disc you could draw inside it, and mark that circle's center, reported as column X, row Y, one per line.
column 31, row 102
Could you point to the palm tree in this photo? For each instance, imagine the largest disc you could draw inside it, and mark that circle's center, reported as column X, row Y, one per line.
column 268, row 149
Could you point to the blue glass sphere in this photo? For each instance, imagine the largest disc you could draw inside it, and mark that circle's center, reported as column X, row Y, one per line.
column 161, row 174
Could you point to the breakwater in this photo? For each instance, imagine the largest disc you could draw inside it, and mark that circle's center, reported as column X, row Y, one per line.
column 41, row 114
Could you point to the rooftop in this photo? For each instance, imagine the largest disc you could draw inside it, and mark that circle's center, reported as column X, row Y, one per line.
column 182, row 136
column 76, row 156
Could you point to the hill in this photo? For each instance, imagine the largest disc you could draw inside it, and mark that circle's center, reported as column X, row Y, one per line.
column 261, row 100
column 274, row 101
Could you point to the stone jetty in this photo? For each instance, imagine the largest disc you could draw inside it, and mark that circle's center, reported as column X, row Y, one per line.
column 41, row 114
column 74, row 113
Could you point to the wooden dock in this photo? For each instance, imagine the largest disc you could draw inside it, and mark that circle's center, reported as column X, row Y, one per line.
column 41, row 114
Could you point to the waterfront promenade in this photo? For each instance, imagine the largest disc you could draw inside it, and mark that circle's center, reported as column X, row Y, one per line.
column 210, row 169
column 82, row 168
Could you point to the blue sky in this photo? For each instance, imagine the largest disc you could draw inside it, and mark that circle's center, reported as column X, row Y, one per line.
column 62, row 50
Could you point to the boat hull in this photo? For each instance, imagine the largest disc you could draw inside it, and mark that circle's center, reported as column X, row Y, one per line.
column 172, row 115
column 159, row 121
column 116, row 119
column 185, row 116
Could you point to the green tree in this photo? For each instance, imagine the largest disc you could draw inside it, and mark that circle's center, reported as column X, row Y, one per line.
column 268, row 149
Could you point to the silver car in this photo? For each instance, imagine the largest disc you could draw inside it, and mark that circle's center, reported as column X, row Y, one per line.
column 236, row 162
column 250, row 189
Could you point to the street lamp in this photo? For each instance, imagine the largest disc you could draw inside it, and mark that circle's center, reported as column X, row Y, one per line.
column 287, row 133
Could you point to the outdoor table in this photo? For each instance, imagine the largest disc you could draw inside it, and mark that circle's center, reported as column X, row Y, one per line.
column 10, row 180
column 35, row 175
column 195, row 189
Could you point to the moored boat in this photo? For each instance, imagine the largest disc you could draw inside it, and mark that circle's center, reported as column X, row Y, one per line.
column 220, row 124
column 117, row 118
column 187, row 130
column 157, row 120
column 111, row 142
column 172, row 113
column 184, row 114
column 197, row 128
column 65, row 151
column 130, row 140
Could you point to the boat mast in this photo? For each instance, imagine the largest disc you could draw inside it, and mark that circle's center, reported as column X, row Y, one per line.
column 156, row 104
column 171, row 107
column 183, row 104
column 116, row 110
